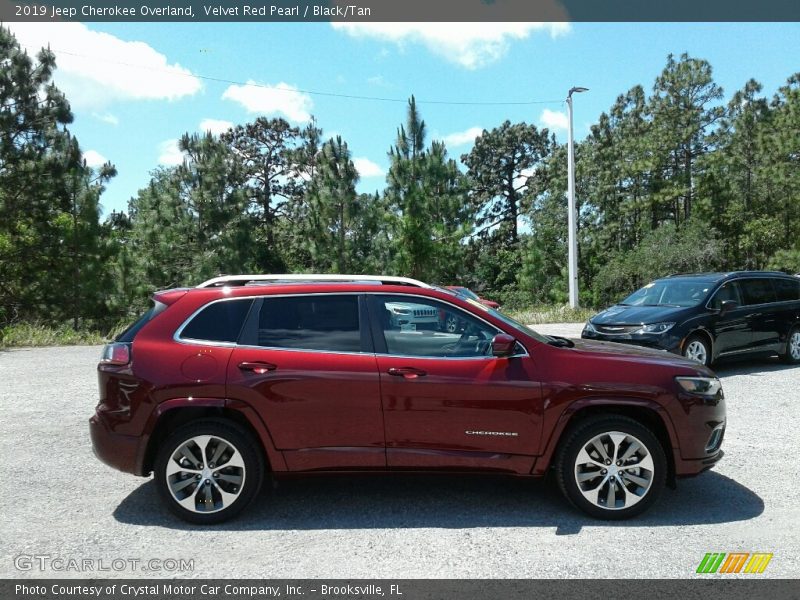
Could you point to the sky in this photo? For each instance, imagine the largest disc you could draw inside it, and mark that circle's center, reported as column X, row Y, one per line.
column 135, row 88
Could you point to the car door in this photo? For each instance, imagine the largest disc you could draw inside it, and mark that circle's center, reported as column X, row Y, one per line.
column 760, row 300
column 732, row 329
column 305, row 363
column 447, row 402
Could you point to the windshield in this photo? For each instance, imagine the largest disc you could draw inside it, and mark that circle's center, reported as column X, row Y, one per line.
column 670, row 292
column 466, row 292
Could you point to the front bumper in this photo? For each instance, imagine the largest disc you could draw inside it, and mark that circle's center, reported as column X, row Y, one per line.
column 661, row 341
column 114, row 449
column 690, row 468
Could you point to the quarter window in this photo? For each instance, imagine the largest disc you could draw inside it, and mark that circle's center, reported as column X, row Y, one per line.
column 414, row 326
column 310, row 323
column 218, row 322
column 758, row 291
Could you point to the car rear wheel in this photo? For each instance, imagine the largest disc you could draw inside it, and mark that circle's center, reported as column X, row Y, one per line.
column 792, row 354
column 698, row 349
column 209, row 471
column 611, row 467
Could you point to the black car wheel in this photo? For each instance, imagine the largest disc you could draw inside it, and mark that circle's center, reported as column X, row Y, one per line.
column 611, row 467
column 697, row 348
column 209, row 471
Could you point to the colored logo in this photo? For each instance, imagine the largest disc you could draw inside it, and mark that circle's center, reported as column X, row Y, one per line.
column 734, row 562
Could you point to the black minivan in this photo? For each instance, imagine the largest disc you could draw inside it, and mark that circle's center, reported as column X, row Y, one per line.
column 706, row 316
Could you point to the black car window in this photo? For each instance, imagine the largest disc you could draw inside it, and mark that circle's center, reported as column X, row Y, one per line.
column 218, row 322
column 728, row 291
column 414, row 326
column 757, row 291
column 310, row 323
column 787, row 289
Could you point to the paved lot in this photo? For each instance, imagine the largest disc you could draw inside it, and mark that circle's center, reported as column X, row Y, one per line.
column 56, row 499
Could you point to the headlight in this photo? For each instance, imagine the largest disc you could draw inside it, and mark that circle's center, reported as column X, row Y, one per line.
column 589, row 328
column 655, row 328
column 700, row 386
column 401, row 311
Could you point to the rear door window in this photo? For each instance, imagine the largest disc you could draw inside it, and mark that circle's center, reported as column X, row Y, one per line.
column 758, row 291
column 787, row 289
column 218, row 321
column 327, row 323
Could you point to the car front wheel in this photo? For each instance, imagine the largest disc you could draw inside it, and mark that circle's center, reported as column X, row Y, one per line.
column 209, row 471
column 611, row 467
column 697, row 348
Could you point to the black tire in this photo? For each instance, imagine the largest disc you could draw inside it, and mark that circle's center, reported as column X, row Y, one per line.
column 581, row 435
column 787, row 356
column 691, row 344
column 223, row 433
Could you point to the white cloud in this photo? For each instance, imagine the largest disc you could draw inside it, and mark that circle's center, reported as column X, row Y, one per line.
column 462, row 138
column 470, row 45
column 269, row 99
column 95, row 69
column 169, row 153
column 94, row 158
column 554, row 120
column 367, row 168
column 215, row 126
column 106, row 118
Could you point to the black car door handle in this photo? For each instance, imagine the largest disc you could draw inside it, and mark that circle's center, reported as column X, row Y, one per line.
column 407, row 372
column 257, row 367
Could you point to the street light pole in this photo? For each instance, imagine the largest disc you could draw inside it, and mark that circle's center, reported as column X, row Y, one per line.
column 571, row 208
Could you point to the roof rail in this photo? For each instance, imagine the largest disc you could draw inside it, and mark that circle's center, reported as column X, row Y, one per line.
column 294, row 278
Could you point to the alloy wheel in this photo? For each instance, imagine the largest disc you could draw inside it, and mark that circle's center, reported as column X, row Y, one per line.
column 696, row 350
column 794, row 346
column 205, row 474
column 451, row 323
column 614, row 470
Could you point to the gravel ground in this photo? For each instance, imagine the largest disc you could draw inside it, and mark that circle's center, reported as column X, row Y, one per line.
column 56, row 499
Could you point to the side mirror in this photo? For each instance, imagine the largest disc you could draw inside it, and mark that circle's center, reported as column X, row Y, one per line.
column 503, row 345
column 727, row 306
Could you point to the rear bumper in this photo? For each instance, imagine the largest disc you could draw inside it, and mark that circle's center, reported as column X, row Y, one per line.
column 115, row 450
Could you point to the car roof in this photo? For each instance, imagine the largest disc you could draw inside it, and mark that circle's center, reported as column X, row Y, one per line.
column 714, row 277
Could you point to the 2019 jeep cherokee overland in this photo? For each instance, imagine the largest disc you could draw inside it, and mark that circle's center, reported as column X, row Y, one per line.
column 217, row 385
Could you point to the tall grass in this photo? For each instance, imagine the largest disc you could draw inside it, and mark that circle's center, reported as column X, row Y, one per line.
column 537, row 315
column 36, row 333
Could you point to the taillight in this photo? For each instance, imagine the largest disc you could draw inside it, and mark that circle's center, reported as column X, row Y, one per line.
column 116, row 353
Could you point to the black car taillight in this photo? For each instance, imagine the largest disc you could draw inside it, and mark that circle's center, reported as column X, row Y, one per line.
column 116, row 353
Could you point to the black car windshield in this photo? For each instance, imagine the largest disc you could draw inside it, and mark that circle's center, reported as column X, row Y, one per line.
column 670, row 292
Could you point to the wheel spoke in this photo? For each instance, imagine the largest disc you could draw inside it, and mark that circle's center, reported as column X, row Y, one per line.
column 617, row 439
column 237, row 479
column 182, row 484
column 640, row 481
column 597, row 444
column 632, row 448
column 588, row 476
column 175, row 467
column 585, row 458
column 611, row 496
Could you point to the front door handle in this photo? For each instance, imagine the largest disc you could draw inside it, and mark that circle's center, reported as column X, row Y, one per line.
column 257, row 367
column 407, row 372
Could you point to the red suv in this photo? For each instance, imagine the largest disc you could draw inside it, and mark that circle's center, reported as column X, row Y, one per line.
column 246, row 375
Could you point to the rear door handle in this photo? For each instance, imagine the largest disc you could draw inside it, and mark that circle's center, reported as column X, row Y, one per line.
column 406, row 372
column 257, row 367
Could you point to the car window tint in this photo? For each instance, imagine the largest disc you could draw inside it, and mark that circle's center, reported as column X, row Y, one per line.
column 427, row 328
column 757, row 291
column 729, row 291
column 787, row 289
column 218, row 322
column 310, row 323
